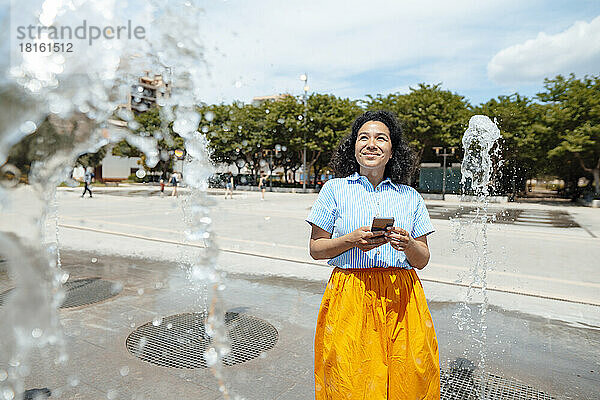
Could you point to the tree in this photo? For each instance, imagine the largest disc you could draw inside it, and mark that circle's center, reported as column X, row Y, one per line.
column 573, row 117
column 431, row 117
column 329, row 119
column 53, row 138
column 522, row 155
column 218, row 129
column 92, row 159
column 149, row 123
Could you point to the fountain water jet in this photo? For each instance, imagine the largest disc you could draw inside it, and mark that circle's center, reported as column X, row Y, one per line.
column 476, row 168
column 80, row 93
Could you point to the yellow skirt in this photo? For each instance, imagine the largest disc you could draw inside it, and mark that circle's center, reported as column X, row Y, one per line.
column 375, row 338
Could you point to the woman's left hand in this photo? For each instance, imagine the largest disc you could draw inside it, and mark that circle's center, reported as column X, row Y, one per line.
column 399, row 238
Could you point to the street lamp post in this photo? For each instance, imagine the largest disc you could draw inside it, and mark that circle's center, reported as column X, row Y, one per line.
column 304, row 78
column 444, row 154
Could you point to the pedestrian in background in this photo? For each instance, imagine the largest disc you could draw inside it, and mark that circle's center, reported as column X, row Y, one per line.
column 87, row 181
column 162, row 186
column 229, row 186
column 174, row 181
column 375, row 337
column 262, row 186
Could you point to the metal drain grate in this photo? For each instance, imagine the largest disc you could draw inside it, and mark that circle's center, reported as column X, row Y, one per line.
column 460, row 384
column 179, row 341
column 4, row 296
column 81, row 292
column 556, row 219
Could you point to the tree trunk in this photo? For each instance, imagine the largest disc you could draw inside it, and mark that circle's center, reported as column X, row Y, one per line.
column 595, row 171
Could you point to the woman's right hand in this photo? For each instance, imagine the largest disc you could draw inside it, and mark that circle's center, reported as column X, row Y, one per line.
column 364, row 239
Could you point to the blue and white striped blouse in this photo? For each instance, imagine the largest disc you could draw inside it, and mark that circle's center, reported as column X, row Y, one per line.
column 346, row 204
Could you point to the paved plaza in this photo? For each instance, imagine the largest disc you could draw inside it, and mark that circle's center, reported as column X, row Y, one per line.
column 543, row 323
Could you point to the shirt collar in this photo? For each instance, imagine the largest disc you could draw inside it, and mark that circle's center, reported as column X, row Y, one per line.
column 356, row 177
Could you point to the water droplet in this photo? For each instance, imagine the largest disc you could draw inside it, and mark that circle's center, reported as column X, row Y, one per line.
column 140, row 173
column 73, row 381
column 140, row 291
column 28, row 127
column 300, row 117
column 211, row 356
column 238, row 84
column 9, row 175
column 267, row 111
column 281, row 121
column 169, row 325
column 112, row 394
column 124, row 371
column 37, row 333
column 209, row 116
column 143, row 342
column 94, row 260
column 157, row 321
column 3, row 375
column 116, row 287
column 8, row 394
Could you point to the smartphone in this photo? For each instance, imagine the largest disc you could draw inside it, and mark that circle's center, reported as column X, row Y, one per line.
column 380, row 224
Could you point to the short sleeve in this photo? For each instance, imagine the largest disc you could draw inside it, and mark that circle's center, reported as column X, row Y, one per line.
column 323, row 211
column 422, row 224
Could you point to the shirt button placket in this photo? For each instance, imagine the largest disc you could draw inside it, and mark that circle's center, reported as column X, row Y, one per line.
column 378, row 208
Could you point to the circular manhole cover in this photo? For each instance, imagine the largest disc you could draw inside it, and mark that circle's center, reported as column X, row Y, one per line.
column 179, row 341
column 81, row 292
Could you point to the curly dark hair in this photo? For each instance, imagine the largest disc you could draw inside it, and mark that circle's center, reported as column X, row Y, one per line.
column 401, row 165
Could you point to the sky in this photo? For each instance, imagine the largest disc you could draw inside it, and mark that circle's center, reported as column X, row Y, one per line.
column 479, row 49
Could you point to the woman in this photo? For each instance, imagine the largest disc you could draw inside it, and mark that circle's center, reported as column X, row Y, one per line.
column 262, row 186
column 375, row 337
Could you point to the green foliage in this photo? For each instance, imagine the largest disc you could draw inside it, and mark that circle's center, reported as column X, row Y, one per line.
column 431, row 117
column 248, row 134
column 572, row 128
column 556, row 133
column 51, row 137
column 149, row 123
column 92, row 159
column 522, row 155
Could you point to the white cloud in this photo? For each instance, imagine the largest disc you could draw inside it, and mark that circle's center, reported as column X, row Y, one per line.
column 575, row 50
column 268, row 44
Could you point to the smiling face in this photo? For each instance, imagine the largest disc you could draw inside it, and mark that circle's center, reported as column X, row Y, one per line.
column 373, row 147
